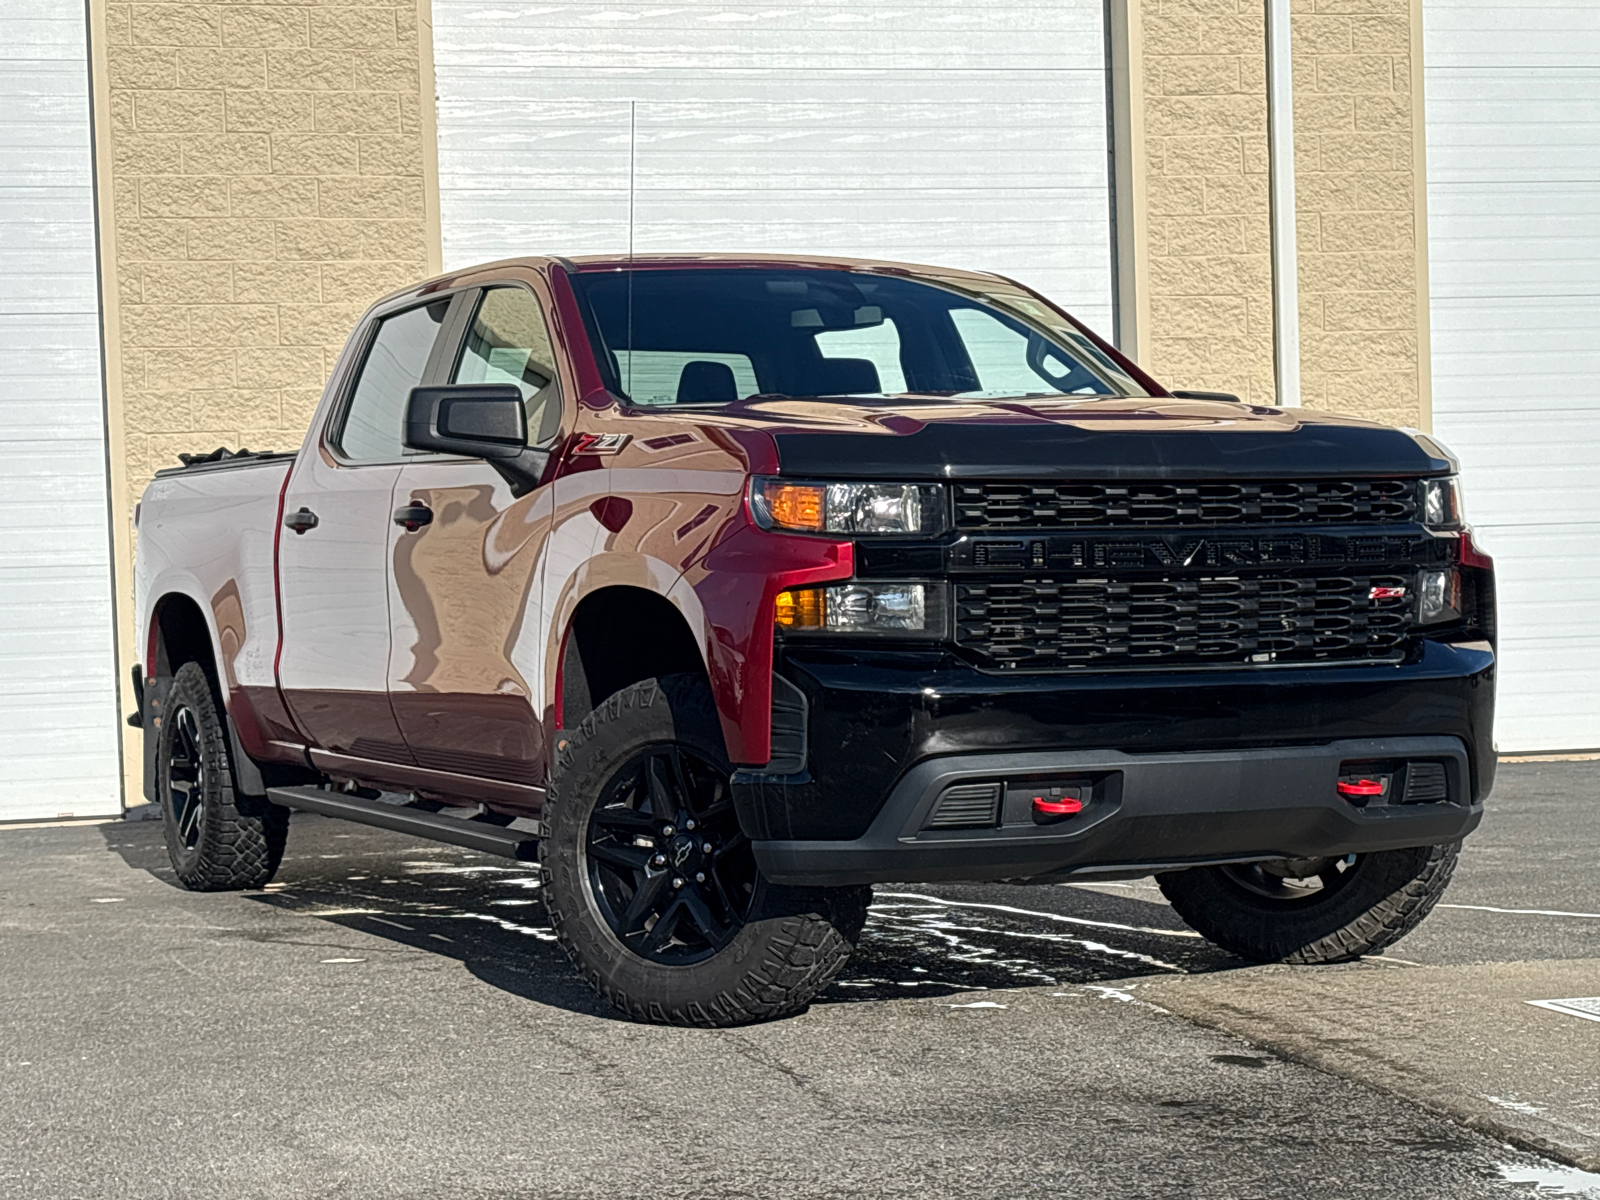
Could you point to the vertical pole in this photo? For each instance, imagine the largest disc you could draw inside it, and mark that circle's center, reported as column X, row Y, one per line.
column 1129, row 195
column 119, row 515
column 1285, row 273
column 633, row 126
column 1419, row 203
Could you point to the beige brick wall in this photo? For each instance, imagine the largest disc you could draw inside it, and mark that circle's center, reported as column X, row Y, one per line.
column 267, row 183
column 1208, row 268
column 1362, row 319
column 1209, row 274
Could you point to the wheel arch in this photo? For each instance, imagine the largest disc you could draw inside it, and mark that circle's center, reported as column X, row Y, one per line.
column 619, row 635
column 180, row 631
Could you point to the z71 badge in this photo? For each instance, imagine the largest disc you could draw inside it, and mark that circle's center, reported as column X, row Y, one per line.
column 600, row 443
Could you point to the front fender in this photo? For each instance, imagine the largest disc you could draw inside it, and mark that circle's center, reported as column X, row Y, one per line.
column 737, row 584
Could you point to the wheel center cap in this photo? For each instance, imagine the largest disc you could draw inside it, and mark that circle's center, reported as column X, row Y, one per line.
column 682, row 848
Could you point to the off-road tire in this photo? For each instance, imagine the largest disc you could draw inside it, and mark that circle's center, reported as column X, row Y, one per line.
column 235, row 841
column 1387, row 896
column 793, row 940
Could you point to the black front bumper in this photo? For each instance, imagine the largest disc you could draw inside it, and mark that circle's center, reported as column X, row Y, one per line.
column 1142, row 813
column 1189, row 768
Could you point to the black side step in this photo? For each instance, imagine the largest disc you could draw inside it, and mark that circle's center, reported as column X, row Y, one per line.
column 474, row 835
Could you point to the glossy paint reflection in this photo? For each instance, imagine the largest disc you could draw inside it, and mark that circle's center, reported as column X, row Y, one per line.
column 461, row 591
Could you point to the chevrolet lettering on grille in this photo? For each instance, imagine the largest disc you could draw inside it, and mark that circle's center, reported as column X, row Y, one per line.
column 1178, row 551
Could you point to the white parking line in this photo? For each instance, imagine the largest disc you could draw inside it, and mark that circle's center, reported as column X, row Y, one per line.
column 1526, row 912
column 1028, row 912
column 1587, row 1007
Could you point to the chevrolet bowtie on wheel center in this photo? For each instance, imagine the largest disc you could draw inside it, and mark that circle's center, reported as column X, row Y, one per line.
column 724, row 588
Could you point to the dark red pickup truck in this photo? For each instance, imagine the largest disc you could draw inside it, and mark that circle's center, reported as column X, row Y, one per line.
column 730, row 586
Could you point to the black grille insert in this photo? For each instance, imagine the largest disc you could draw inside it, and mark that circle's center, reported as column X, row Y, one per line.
column 1056, row 624
column 1426, row 783
column 966, row 806
column 1069, row 505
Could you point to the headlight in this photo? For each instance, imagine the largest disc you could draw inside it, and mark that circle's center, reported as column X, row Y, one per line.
column 1441, row 502
column 1440, row 597
column 897, row 609
column 881, row 508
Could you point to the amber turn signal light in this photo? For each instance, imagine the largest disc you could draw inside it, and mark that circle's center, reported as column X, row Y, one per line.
column 794, row 505
column 801, row 608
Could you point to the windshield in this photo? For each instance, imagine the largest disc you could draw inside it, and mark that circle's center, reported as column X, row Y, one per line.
column 717, row 336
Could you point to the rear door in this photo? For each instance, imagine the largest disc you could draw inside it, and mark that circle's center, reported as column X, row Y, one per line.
column 464, row 678
column 333, row 573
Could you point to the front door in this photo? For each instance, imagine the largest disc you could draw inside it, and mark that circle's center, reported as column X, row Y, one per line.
column 333, row 552
column 467, row 658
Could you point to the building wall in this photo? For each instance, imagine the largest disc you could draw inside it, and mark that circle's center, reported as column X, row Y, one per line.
column 1359, row 199
column 1206, row 246
column 1208, row 240
column 267, row 183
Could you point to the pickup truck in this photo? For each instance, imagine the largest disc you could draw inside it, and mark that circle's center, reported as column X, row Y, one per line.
column 728, row 586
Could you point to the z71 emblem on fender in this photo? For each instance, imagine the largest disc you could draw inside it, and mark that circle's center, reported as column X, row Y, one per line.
column 601, row 443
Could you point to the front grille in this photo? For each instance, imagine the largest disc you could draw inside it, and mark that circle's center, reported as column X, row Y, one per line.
column 1056, row 624
column 1068, row 505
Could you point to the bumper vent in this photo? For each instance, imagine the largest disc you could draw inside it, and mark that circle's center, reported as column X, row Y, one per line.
column 966, row 806
column 1425, row 783
column 1053, row 624
column 1289, row 502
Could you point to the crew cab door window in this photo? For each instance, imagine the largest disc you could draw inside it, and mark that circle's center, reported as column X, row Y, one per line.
column 397, row 360
column 508, row 343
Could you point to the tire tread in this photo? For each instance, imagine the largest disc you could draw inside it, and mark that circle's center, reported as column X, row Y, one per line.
column 242, row 837
column 810, row 934
column 1412, row 882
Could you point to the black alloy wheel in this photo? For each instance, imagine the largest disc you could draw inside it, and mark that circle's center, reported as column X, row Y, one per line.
column 186, row 777
column 653, row 889
column 1293, row 880
column 670, row 870
column 1312, row 910
column 217, row 837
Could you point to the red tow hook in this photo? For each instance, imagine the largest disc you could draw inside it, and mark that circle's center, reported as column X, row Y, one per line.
column 1057, row 808
column 1362, row 787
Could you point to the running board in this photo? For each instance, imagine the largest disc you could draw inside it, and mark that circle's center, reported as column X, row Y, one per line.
column 474, row 835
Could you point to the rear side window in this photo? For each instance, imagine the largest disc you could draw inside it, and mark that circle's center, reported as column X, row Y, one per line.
column 374, row 423
column 877, row 344
column 509, row 343
column 690, row 376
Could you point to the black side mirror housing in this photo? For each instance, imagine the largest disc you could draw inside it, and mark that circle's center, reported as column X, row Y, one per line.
column 1187, row 394
column 477, row 420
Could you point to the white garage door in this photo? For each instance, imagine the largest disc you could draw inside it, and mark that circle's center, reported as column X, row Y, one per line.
column 1513, row 129
column 936, row 131
column 58, row 713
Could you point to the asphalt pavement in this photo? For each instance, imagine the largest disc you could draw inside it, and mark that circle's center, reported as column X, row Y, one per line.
column 392, row 1018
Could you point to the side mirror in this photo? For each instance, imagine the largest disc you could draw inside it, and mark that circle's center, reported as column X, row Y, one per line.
column 477, row 420
column 1186, row 394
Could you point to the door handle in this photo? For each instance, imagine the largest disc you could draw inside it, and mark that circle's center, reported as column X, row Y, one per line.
column 301, row 521
column 413, row 516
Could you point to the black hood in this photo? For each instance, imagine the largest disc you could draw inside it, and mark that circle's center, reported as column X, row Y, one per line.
column 1135, row 438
